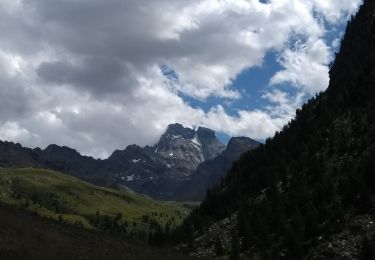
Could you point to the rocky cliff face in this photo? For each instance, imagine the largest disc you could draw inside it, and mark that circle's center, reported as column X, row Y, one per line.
column 210, row 146
column 180, row 149
column 183, row 149
column 237, row 146
column 12, row 154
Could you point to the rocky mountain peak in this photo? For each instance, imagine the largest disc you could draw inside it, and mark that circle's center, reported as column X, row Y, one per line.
column 211, row 146
column 178, row 130
column 129, row 150
column 241, row 143
column 62, row 152
column 183, row 148
column 205, row 134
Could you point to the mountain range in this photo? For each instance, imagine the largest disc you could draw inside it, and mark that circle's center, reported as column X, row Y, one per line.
column 181, row 166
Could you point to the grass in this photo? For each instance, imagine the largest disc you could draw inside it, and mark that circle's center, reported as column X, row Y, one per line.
column 65, row 198
column 25, row 236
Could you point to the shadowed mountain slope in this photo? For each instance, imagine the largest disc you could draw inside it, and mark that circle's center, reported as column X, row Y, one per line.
column 309, row 191
column 210, row 172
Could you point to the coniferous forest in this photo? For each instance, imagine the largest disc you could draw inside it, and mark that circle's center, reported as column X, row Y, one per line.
column 314, row 178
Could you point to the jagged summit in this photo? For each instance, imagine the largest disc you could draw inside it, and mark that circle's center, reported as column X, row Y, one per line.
column 211, row 146
column 60, row 150
column 205, row 133
column 179, row 130
column 238, row 145
column 183, row 148
column 203, row 141
column 235, row 141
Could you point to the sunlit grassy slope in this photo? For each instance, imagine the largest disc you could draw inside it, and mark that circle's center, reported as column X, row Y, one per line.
column 65, row 198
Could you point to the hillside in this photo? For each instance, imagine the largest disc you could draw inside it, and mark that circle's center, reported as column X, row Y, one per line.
column 309, row 191
column 25, row 236
column 210, row 172
column 67, row 199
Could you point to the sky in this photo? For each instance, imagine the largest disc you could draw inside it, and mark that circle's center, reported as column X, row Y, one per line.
column 99, row 75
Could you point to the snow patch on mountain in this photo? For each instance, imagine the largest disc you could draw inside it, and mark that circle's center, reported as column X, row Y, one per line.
column 196, row 141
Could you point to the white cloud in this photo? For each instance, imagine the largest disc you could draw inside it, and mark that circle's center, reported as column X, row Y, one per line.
column 335, row 10
column 256, row 124
column 306, row 61
column 283, row 104
column 87, row 73
column 259, row 123
column 306, row 66
column 12, row 131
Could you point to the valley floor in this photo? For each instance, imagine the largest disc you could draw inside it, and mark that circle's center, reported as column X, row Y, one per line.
column 24, row 235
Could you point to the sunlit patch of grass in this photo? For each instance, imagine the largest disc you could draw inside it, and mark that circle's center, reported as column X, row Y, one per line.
column 65, row 198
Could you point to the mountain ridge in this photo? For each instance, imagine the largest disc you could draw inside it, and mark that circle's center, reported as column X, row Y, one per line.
column 153, row 170
column 210, row 172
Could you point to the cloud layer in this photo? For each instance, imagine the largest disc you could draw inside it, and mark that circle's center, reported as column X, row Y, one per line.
column 99, row 75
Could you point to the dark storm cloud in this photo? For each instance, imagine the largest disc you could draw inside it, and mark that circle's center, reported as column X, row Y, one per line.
column 110, row 27
column 16, row 99
column 18, row 31
column 99, row 75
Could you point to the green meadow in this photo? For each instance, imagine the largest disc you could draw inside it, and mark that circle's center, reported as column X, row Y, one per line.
column 67, row 199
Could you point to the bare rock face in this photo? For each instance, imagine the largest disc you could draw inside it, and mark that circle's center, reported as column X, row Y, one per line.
column 237, row 146
column 183, row 149
column 211, row 147
column 205, row 246
column 180, row 149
